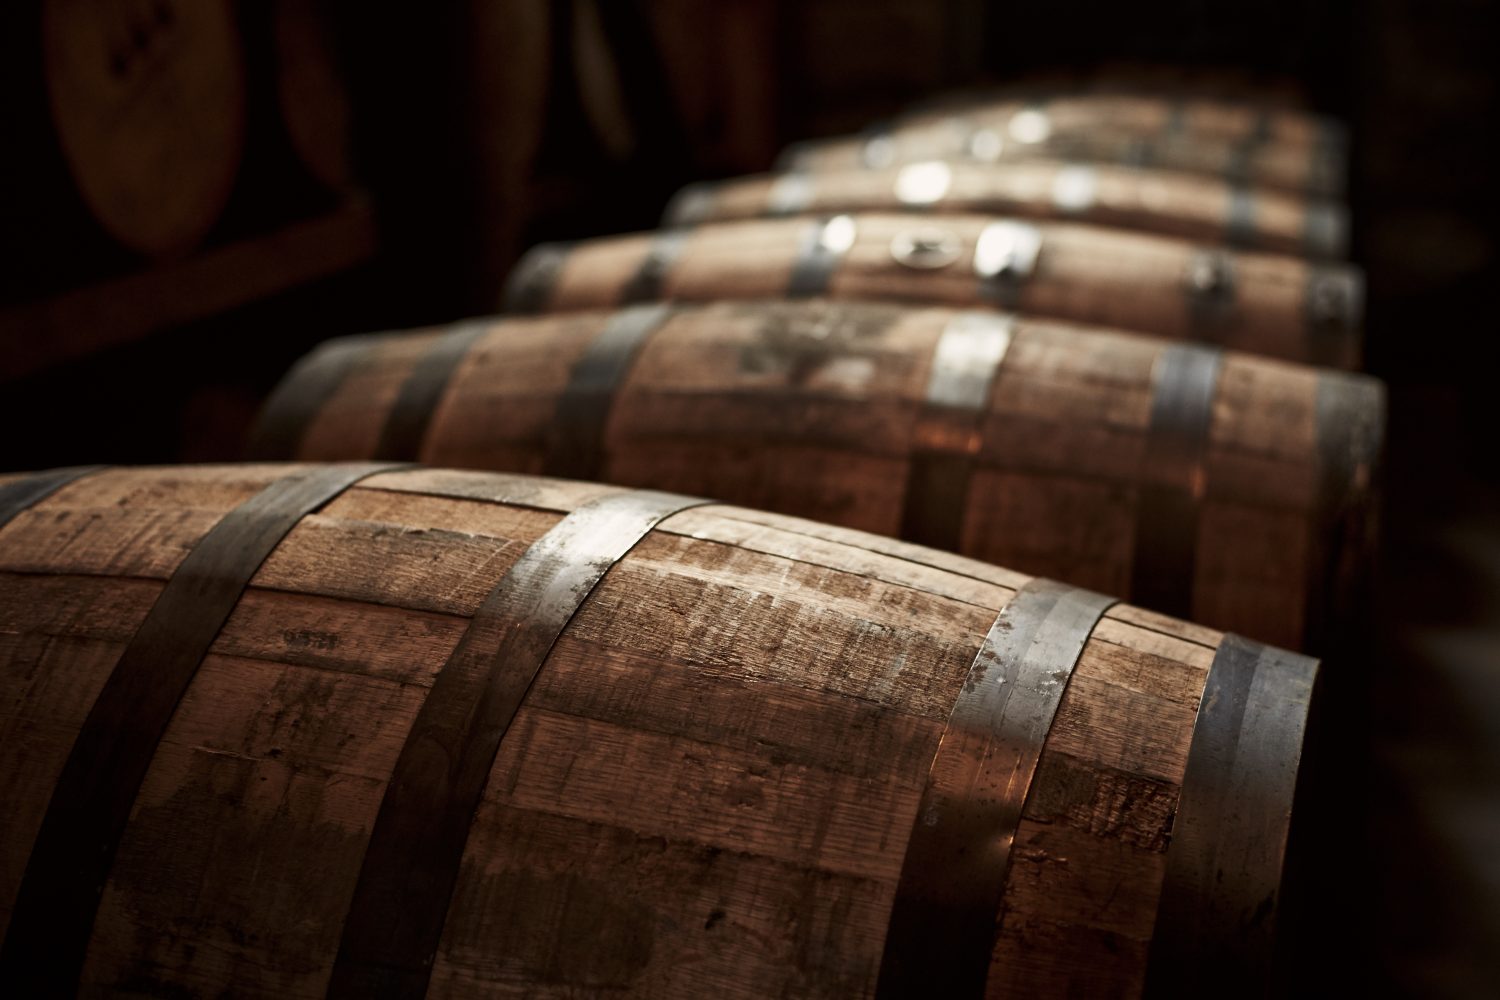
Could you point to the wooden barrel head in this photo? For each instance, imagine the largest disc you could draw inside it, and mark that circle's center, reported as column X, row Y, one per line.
column 149, row 104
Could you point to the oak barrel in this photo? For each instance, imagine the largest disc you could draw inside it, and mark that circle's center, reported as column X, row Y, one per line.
column 311, row 93
column 1316, row 167
column 1073, row 110
column 148, row 100
column 1173, row 204
column 1259, row 303
column 354, row 731
column 1219, row 487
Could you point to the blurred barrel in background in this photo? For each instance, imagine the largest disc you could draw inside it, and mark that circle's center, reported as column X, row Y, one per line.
column 1173, row 204
column 1188, row 114
column 311, row 91
column 148, row 99
column 1259, row 303
column 1230, row 489
column 373, row 732
column 1241, row 145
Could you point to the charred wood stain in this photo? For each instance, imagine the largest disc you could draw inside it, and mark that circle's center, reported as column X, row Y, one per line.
column 801, row 343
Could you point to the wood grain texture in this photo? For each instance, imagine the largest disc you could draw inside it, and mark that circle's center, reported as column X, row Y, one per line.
column 811, row 409
column 1189, row 206
column 707, row 790
column 1266, row 304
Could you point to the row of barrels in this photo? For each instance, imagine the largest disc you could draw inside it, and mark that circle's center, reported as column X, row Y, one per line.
column 370, row 727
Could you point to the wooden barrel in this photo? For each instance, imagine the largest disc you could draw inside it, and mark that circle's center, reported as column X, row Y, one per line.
column 1223, row 488
column 339, row 731
column 1173, row 204
column 148, row 100
column 1317, row 170
column 1139, row 113
column 1259, row 303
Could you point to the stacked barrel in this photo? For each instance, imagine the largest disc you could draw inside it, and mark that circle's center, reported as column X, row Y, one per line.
column 555, row 727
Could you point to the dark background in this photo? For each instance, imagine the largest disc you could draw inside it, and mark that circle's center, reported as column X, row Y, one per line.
column 479, row 128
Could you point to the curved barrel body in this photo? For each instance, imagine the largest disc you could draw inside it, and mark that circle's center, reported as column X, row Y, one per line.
column 344, row 731
column 1220, row 487
column 1283, row 151
column 1259, row 303
column 1204, row 209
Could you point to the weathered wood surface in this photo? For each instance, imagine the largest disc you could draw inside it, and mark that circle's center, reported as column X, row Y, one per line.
column 1276, row 149
column 1259, row 303
column 1189, row 206
column 708, row 789
column 821, row 410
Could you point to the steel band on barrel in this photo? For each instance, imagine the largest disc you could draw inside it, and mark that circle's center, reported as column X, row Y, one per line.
column 1005, row 257
column 22, row 494
column 1350, row 434
column 1325, row 230
column 943, row 923
column 405, row 426
column 1173, row 483
column 575, row 440
column 283, row 421
column 1215, row 921
column 529, row 287
column 650, row 277
column 946, row 438
column 411, row 865
column 823, row 246
column 91, row 802
column 1239, row 221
